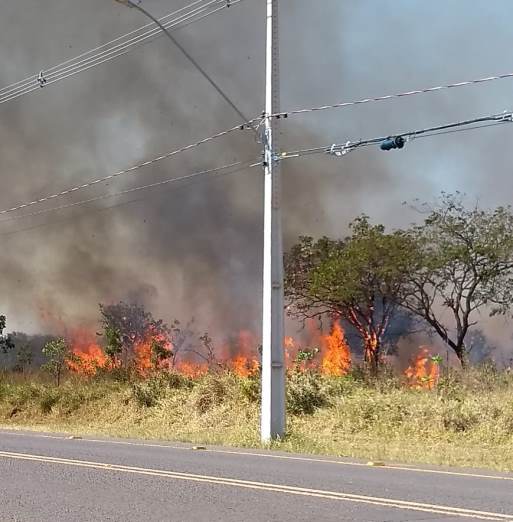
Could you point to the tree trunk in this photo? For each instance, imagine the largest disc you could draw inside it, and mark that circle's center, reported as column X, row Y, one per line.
column 462, row 355
column 371, row 352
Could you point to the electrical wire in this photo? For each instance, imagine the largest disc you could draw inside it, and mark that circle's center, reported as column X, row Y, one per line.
column 286, row 114
column 110, row 51
column 239, row 165
column 189, row 57
column 123, row 172
column 215, row 175
column 460, row 126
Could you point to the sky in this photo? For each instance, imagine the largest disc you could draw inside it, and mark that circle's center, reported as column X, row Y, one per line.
column 195, row 250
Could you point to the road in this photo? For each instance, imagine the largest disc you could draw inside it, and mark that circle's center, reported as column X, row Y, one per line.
column 45, row 477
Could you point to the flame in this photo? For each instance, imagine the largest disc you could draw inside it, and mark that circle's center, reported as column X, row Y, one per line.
column 145, row 362
column 244, row 366
column 424, row 371
column 192, row 370
column 88, row 356
column 336, row 358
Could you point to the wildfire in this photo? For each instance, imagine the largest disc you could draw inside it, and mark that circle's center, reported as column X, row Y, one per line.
column 424, row 371
column 329, row 353
column 244, row 366
column 336, row 355
column 88, row 356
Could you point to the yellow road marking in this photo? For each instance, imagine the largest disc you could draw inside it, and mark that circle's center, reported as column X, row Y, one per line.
column 279, row 457
column 263, row 486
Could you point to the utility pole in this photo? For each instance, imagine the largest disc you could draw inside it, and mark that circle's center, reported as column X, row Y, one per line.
column 273, row 367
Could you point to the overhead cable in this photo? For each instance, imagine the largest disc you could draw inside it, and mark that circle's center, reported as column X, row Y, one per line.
column 286, row 114
column 238, row 166
column 178, row 45
column 197, row 11
column 123, row 172
column 348, row 146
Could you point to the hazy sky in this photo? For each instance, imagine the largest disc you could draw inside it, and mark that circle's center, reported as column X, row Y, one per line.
column 196, row 250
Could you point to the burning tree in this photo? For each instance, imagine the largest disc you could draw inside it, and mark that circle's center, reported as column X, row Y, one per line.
column 464, row 263
column 358, row 279
column 128, row 328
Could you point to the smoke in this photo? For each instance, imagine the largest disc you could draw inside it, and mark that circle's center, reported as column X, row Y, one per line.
column 195, row 249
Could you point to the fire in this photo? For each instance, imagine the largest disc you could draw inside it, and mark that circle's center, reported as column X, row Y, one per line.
column 424, row 371
column 88, row 356
column 244, row 366
column 192, row 370
column 328, row 353
column 336, row 355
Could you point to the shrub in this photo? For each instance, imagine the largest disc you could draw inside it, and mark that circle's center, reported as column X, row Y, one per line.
column 305, row 392
column 210, row 391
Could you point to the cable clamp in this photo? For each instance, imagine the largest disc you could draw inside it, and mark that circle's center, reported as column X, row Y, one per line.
column 340, row 150
column 41, row 79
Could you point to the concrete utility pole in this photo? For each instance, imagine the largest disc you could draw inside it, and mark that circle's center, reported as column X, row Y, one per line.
column 273, row 367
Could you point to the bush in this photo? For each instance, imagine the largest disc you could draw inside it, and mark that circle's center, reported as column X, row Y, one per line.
column 147, row 393
column 305, row 392
column 210, row 391
column 48, row 399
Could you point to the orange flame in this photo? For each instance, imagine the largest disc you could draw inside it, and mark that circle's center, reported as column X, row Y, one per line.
column 423, row 372
column 336, row 356
column 88, row 356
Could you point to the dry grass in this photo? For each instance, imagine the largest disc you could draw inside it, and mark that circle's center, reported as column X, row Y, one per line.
column 467, row 421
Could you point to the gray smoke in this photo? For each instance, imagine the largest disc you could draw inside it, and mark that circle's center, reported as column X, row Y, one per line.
column 195, row 250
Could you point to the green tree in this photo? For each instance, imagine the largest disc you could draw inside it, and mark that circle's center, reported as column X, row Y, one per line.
column 57, row 354
column 358, row 279
column 464, row 264
column 6, row 343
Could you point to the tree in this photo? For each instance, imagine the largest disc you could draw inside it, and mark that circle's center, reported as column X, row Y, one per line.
column 6, row 343
column 126, row 325
column 57, row 355
column 464, row 263
column 358, row 279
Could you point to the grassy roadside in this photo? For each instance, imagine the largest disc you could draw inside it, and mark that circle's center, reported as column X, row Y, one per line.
column 467, row 421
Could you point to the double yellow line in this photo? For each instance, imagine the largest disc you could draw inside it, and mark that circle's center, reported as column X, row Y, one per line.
column 262, row 486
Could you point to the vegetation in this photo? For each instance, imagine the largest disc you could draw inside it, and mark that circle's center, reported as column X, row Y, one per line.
column 359, row 279
column 467, row 420
column 6, row 343
column 125, row 325
column 446, row 271
column 57, row 355
column 148, row 379
column 464, row 264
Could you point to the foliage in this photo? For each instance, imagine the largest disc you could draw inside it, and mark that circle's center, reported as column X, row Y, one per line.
column 125, row 325
column 113, row 342
column 464, row 263
column 305, row 392
column 358, row 279
column 57, row 355
column 6, row 343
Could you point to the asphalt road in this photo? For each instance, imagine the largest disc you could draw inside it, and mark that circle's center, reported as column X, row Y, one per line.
column 47, row 477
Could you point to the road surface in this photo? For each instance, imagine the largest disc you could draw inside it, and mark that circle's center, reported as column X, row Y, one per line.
column 46, row 477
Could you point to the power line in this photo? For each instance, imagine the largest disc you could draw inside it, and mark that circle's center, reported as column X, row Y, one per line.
column 203, row 72
column 238, row 166
column 286, row 114
column 89, row 211
column 109, row 51
column 129, row 170
column 460, row 126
